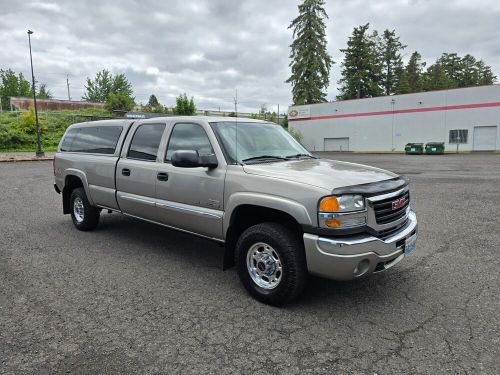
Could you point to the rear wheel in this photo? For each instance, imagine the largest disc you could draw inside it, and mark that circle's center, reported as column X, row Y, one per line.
column 271, row 263
column 85, row 217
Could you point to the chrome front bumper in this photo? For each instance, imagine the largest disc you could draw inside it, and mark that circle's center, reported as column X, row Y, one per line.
column 346, row 258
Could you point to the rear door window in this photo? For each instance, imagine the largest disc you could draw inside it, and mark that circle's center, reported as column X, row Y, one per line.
column 146, row 141
column 92, row 139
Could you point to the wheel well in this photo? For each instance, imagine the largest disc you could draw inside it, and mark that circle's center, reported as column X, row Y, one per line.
column 244, row 217
column 70, row 184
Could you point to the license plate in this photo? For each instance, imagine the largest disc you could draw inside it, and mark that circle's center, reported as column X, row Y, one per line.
column 433, row 149
column 410, row 244
column 412, row 149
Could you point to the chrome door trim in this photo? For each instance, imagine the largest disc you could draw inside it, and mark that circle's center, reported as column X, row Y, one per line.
column 177, row 207
column 135, row 199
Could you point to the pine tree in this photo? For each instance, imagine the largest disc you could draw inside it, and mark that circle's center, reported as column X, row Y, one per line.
column 414, row 69
column 465, row 71
column 361, row 66
column 153, row 101
column 391, row 63
column 452, row 65
column 435, row 78
column 403, row 86
column 311, row 62
column 485, row 74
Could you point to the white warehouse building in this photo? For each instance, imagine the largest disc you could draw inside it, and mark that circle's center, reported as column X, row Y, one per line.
column 469, row 117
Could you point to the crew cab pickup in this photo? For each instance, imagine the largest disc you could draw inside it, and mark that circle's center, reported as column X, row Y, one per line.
column 280, row 212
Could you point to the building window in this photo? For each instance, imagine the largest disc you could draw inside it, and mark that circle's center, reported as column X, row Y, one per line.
column 459, row 136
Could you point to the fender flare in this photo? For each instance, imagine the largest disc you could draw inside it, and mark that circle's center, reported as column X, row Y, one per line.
column 83, row 177
column 288, row 206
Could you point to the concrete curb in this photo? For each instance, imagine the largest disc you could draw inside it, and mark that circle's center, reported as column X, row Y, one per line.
column 16, row 158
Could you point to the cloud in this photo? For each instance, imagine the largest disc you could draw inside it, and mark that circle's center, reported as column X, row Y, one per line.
column 208, row 48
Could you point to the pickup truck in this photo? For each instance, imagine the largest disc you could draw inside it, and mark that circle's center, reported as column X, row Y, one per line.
column 280, row 212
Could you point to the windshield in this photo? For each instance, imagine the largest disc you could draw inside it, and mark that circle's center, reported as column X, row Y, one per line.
column 256, row 141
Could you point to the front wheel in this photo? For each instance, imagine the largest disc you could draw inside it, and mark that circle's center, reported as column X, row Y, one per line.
column 84, row 216
column 271, row 263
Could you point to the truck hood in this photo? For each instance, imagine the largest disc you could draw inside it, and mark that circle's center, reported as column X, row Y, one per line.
column 323, row 173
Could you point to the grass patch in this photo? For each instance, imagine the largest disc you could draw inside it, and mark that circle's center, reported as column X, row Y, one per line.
column 17, row 129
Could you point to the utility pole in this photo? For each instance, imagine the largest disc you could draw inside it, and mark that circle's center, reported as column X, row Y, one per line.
column 67, row 84
column 39, row 152
column 236, row 103
column 279, row 114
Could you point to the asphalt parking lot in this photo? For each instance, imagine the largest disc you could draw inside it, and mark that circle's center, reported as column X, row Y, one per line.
column 132, row 297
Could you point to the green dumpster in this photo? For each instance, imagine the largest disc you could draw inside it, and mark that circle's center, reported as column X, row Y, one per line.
column 434, row 148
column 414, row 148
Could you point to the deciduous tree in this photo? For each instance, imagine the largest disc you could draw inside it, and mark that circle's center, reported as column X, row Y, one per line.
column 184, row 106
column 12, row 84
column 118, row 101
column 104, row 84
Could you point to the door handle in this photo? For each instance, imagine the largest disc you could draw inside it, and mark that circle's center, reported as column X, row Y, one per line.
column 162, row 176
column 126, row 172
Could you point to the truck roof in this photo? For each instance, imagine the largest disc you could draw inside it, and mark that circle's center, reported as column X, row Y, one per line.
column 122, row 122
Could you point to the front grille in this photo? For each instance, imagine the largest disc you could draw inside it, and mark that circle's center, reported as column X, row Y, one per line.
column 384, row 213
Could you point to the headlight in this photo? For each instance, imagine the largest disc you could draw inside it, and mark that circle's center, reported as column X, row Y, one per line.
column 345, row 211
column 343, row 203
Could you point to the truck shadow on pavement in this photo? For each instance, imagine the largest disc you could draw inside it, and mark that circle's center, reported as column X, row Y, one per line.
column 202, row 255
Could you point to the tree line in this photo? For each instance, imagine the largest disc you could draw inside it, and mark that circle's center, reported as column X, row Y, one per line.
column 114, row 91
column 372, row 65
column 12, row 84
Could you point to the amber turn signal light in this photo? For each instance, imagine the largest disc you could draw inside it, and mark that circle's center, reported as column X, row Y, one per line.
column 329, row 204
column 333, row 223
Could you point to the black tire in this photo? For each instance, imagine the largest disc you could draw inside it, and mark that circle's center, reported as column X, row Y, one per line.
column 291, row 255
column 90, row 214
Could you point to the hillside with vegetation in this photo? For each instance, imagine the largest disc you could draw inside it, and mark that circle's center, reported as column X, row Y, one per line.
column 18, row 131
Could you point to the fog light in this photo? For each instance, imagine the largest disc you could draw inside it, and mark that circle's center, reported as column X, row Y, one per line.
column 361, row 268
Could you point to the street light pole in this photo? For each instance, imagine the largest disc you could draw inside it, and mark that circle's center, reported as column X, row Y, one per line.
column 39, row 152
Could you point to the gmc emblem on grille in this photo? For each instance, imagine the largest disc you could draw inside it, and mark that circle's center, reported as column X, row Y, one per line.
column 398, row 203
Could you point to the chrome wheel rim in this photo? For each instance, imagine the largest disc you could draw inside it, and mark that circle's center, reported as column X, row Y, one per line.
column 78, row 210
column 264, row 266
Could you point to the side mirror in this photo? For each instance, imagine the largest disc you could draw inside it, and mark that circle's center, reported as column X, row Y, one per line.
column 191, row 159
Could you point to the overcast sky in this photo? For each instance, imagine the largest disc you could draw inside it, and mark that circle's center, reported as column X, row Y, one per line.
column 209, row 48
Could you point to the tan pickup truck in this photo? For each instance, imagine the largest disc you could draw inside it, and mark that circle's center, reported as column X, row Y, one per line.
column 280, row 212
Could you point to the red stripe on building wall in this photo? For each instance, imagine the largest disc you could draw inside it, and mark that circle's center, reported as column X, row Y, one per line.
column 398, row 111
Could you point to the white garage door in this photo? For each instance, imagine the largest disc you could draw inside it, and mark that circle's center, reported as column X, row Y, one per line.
column 336, row 144
column 485, row 138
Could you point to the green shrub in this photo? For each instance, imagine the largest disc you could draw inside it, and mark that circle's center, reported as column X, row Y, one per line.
column 296, row 134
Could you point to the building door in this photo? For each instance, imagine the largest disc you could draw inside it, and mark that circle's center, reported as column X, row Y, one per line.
column 485, row 138
column 336, row 144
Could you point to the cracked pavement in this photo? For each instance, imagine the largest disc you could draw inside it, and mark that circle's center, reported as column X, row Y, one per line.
column 133, row 297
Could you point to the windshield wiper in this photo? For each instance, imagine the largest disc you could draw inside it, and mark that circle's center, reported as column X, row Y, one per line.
column 263, row 157
column 296, row 156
